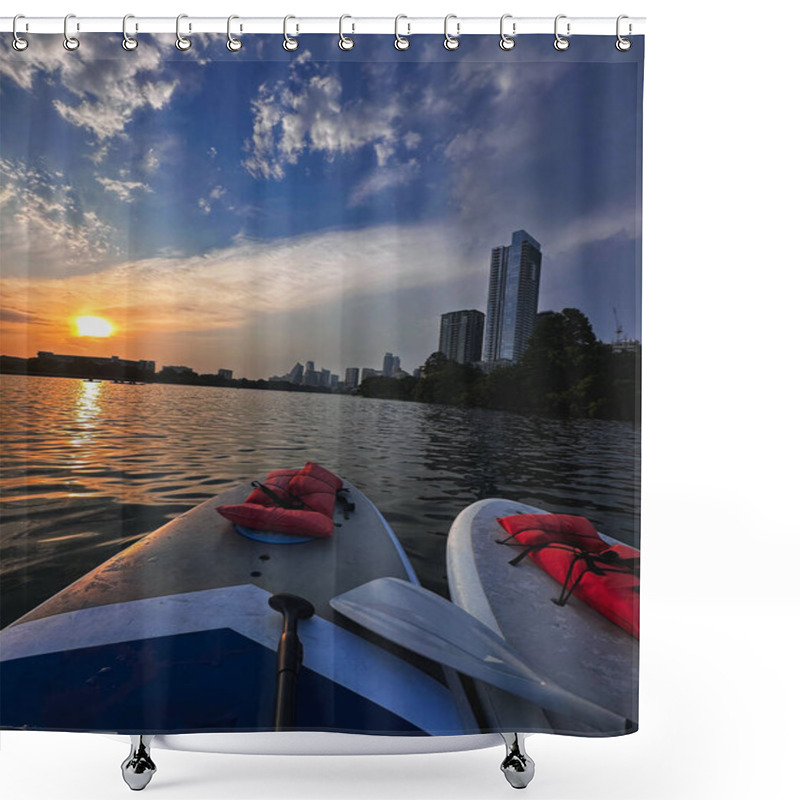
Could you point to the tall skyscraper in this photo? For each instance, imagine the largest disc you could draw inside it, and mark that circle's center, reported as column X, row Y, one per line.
column 351, row 377
column 513, row 298
column 388, row 365
column 461, row 335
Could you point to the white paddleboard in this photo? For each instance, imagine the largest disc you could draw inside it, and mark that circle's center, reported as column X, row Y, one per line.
column 574, row 645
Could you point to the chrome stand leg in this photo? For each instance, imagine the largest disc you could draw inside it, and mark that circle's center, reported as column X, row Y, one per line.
column 517, row 766
column 138, row 768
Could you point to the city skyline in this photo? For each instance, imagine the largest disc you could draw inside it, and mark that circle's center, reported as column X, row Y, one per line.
column 325, row 223
column 511, row 312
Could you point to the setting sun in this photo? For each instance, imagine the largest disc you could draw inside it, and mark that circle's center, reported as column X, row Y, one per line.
column 93, row 326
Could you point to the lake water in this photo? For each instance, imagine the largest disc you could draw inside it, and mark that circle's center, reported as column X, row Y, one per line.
column 89, row 468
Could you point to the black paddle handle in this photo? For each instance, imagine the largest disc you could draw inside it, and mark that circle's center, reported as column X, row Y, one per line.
column 290, row 657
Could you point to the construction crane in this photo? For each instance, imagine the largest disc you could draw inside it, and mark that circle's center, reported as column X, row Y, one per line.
column 619, row 326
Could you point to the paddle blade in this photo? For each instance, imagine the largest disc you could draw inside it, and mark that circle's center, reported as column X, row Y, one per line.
column 431, row 626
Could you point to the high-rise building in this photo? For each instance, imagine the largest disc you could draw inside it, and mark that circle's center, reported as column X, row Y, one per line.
column 351, row 378
column 310, row 376
column 513, row 298
column 296, row 374
column 388, row 365
column 461, row 335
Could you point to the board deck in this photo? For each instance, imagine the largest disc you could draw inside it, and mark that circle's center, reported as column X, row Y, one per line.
column 199, row 550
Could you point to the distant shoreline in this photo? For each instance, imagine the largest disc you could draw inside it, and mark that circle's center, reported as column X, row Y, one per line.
column 214, row 380
column 284, row 386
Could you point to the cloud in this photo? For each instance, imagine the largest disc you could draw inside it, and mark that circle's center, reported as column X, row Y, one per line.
column 15, row 316
column 44, row 226
column 623, row 223
column 43, row 57
column 151, row 160
column 216, row 289
column 383, row 179
column 106, row 92
column 503, row 82
column 307, row 114
column 123, row 189
column 204, row 203
column 520, row 156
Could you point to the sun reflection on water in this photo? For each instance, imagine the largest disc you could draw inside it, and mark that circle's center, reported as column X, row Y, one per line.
column 87, row 413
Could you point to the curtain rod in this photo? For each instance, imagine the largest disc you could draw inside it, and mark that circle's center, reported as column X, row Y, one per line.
column 458, row 26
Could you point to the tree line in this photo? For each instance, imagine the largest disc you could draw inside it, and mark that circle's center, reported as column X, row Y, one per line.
column 565, row 372
column 133, row 373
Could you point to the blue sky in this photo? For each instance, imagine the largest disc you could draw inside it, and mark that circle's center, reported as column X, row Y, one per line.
column 254, row 209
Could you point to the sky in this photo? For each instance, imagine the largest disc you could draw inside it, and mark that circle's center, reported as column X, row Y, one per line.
column 246, row 211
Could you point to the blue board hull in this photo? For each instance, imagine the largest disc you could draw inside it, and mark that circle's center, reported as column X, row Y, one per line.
column 220, row 682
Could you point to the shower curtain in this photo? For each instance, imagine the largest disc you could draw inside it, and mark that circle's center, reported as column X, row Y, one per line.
column 320, row 385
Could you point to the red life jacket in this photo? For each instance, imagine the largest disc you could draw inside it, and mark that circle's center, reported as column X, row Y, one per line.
column 536, row 529
column 315, row 487
column 278, row 483
column 278, row 519
column 570, row 551
column 296, row 501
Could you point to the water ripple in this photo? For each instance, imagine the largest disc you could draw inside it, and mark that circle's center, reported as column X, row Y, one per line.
column 88, row 468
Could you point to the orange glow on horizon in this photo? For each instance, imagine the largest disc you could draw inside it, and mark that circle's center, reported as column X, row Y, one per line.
column 93, row 326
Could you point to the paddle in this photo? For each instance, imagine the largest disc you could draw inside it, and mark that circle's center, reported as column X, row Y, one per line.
column 290, row 655
column 426, row 623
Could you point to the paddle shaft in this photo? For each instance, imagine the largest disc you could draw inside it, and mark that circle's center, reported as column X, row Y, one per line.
column 290, row 657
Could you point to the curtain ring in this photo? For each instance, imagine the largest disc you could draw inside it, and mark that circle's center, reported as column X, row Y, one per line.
column 401, row 42
column 289, row 44
column 560, row 43
column 507, row 42
column 18, row 43
column 451, row 42
column 622, row 44
column 70, row 42
column 233, row 44
column 128, row 42
column 181, row 42
column 345, row 43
